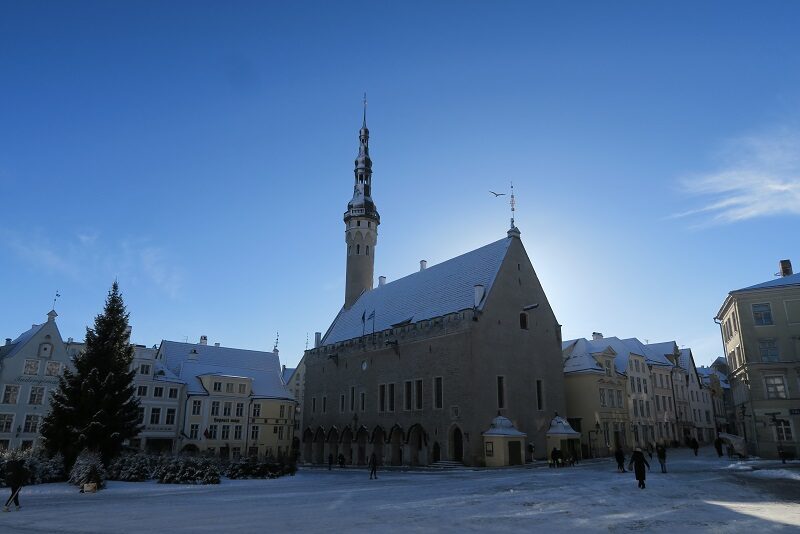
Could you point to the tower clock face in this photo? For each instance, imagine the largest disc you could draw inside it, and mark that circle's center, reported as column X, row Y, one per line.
column 364, row 365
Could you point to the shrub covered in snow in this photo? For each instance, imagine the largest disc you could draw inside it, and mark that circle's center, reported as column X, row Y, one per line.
column 187, row 470
column 252, row 468
column 133, row 467
column 88, row 468
column 41, row 469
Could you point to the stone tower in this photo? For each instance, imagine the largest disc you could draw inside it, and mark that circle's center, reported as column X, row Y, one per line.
column 361, row 223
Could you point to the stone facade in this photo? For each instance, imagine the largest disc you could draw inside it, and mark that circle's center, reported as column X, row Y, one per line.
column 760, row 327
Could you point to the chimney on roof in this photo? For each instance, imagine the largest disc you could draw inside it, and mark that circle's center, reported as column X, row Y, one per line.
column 479, row 293
column 381, row 281
column 423, row 264
column 318, row 338
column 70, row 340
column 204, row 340
column 786, row 267
column 216, row 344
column 8, row 341
column 596, row 336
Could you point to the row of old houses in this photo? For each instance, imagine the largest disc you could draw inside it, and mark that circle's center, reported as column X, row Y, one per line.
column 194, row 397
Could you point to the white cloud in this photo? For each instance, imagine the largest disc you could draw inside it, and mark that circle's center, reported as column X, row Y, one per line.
column 759, row 177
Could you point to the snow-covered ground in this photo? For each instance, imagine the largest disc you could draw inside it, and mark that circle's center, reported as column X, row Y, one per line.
column 698, row 494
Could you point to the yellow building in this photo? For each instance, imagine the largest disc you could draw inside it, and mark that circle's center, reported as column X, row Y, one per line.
column 236, row 401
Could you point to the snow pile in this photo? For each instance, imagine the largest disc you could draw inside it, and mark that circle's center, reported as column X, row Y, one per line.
column 775, row 473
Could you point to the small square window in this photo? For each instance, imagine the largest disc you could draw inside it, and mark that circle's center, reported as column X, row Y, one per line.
column 762, row 314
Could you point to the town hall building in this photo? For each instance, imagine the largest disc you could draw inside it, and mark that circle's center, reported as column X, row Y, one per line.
column 417, row 370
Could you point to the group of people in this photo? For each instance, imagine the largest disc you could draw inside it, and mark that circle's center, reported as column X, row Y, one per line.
column 372, row 464
column 557, row 458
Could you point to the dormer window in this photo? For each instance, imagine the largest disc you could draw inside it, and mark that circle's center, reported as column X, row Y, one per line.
column 217, row 386
column 144, row 369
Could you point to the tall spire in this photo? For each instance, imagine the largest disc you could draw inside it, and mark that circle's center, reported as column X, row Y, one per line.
column 364, row 121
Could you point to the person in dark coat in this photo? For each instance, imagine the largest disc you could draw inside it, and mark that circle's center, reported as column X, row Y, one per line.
column 619, row 456
column 555, row 457
column 638, row 462
column 373, row 466
column 695, row 446
column 16, row 477
column 718, row 446
column 341, row 460
column 330, row 461
column 661, row 453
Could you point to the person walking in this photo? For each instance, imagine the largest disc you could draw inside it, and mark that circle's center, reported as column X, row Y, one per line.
column 695, row 445
column 330, row 461
column 718, row 446
column 638, row 462
column 373, row 466
column 661, row 453
column 16, row 477
column 619, row 456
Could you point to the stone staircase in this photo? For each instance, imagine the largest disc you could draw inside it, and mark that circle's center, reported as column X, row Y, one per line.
column 447, row 464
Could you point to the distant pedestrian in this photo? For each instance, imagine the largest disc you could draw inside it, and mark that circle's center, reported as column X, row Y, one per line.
column 718, row 446
column 373, row 466
column 555, row 457
column 695, row 445
column 638, row 462
column 661, row 453
column 619, row 456
column 330, row 461
column 650, row 450
column 341, row 460
column 16, row 477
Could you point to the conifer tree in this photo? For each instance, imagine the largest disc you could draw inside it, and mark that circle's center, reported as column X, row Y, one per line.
column 94, row 407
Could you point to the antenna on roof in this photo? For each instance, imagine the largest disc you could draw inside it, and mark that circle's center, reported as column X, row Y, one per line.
column 306, row 340
column 55, row 299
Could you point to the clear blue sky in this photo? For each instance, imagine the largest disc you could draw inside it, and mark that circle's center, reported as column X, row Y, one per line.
column 202, row 154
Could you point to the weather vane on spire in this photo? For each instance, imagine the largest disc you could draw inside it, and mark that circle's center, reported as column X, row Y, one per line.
column 55, row 299
column 513, row 205
column 365, row 109
column 277, row 337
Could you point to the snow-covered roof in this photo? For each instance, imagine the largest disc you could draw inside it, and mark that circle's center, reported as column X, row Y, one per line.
column 288, row 373
column 706, row 373
column 579, row 354
column 791, row 280
column 432, row 292
column 502, row 426
column 190, row 361
column 561, row 427
column 7, row 351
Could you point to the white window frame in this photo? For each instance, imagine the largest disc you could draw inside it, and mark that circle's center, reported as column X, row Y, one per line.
column 32, row 363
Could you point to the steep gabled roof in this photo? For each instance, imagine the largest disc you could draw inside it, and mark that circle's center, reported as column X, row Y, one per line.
column 288, row 373
column 7, row 351
column 189, row 361
column 433, row 292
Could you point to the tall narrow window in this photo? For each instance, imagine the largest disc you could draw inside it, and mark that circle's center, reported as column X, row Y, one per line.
column 501, row 392
column 358, row 249
column 391, row 397
column 313, row 405
column 407, row 395
column 341, row 403
column 352, row 398
column 438, row 399
column 418, row 388
column 362, row 401
column 366, row 249
column 523, row 321
column 324, row 404
column 539, row 399
column 382, row 398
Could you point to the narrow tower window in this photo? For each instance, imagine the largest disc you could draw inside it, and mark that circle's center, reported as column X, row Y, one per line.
column 523, row 321
column 358, row 249
column 367, row 252
column 501, row 392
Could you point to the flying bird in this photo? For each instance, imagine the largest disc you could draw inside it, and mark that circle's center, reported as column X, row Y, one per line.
column 497, row 194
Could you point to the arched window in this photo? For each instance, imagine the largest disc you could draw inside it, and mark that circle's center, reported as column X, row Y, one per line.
column 523, row 320
column 358, row 249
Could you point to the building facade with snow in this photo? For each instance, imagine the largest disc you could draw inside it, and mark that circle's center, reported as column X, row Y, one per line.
column 29, row 369
column 760, row 328
column 236, row 402
column 415, row 370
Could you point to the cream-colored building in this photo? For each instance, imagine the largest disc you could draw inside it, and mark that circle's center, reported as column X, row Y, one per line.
column 30, row 366
column 760, row 328
column 236, row 401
